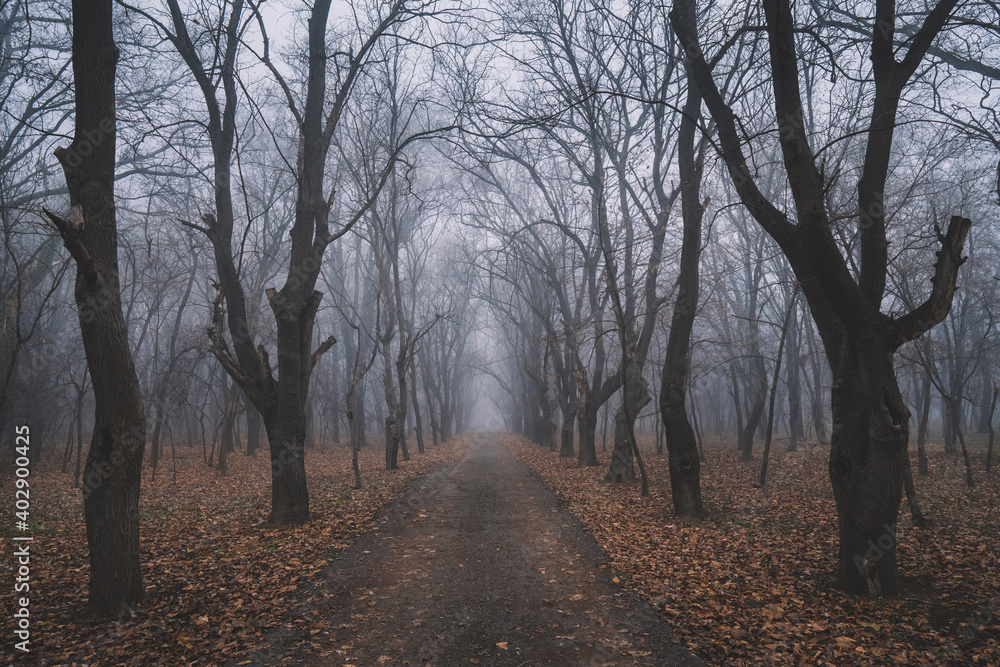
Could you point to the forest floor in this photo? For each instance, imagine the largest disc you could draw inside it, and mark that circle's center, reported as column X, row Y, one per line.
column 753, row 583
column 478, row 565
column 219, row 584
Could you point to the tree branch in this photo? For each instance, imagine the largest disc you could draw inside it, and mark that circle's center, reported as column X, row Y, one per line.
column 321, row 350
column 945, row 279
column 69, row 229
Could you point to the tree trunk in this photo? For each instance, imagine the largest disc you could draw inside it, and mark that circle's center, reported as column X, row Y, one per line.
column 586, row 419
column 948, row 427
column 989, row 445
column 569, row 403
column 762, row 480
column 114, row 461
column 286, row 435
column 916, row 512
column 418, row 427
column 746, row 438
column 795, row 430
column 622, row 470
column 285, row 421
column 567, row 432
column 867, row 463
column 392, row 427
column 922, row 417
column 737, row 402
column 253, row 429
column 818, row 414
column 986, row 391
column 79, row 439
column 683, row 460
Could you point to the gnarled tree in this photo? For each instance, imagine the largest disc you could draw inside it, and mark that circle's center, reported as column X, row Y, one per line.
column 868, row 454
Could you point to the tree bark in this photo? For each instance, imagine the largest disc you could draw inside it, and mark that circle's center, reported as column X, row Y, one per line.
column 113, row 471
column 586, row 418
column 683, row 460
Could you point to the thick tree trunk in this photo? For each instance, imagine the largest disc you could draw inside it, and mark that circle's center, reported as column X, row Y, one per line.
column 285, row 421
column 622, row 470
column 567, row 431
column 113, row 470
column 286, row 435
column 586, row 420
column 682, row 448
column 868, row 459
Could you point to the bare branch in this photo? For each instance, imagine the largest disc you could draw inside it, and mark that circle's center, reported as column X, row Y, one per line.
column 936, row 307
column 69, row 229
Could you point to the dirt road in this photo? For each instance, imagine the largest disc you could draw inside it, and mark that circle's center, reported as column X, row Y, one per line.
column 479, row 565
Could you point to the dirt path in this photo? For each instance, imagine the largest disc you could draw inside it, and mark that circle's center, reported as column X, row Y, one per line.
column 479, row 566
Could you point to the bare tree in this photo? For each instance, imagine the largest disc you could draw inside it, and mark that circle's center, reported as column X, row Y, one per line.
column 114, row 460
column 868, row 453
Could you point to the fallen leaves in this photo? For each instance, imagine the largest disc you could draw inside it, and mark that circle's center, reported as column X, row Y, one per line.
column 217, row 580
column 753, row 582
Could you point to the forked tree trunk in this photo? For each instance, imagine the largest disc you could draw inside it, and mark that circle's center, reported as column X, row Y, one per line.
column 113, row 471
column 755, row 415
column 622, row 469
